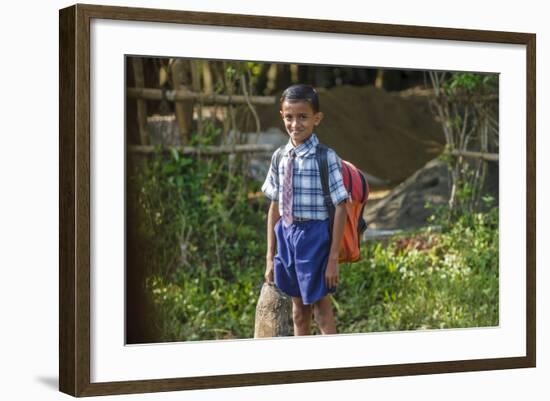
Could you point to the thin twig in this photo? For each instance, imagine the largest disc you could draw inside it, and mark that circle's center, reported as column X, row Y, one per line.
column 250, row 106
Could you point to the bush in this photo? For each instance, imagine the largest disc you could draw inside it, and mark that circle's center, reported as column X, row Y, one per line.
column 198, row 235
column 425, row 280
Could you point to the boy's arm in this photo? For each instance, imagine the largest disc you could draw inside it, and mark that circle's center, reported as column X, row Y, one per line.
column 332, row 275
column 271, row 189
column 272, row 218
column 339, row 197
column 338, row 230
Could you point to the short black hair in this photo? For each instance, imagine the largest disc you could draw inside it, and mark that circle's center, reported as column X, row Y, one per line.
column 301, row 93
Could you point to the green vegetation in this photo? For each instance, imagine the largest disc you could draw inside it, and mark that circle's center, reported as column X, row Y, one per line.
column 466, row 105
column 471, row 84
column 202, row 238
column 425, row 280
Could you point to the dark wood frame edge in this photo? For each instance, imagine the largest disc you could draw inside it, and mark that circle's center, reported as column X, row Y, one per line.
column 74, row 199
column 531, row 202
column 67, row 296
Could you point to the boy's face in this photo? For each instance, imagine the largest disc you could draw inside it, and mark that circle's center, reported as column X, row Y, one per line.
column 299, row 120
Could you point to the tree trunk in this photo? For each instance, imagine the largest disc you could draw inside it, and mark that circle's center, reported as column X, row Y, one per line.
column 273, row 313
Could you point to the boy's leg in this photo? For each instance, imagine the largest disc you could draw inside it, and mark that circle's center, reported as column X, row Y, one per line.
column 324, row 315
column 301, row 316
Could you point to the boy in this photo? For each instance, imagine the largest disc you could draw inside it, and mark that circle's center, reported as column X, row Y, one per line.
column 306, row 263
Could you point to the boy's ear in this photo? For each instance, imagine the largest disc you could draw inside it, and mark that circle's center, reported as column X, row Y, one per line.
column 318, row 117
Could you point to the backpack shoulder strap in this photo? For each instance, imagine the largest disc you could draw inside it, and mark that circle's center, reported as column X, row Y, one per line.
column 365, row 187
column 278, row 157
column 322, row 161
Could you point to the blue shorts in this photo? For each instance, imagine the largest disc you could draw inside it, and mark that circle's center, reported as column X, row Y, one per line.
column 301, row 260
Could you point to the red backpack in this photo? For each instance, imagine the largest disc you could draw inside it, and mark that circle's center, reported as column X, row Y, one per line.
column 355, row 213
column 357, row 187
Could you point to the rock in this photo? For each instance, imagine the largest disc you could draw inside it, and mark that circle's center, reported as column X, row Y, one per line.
column 404, row 207
column 163, row 130
column 273, row 313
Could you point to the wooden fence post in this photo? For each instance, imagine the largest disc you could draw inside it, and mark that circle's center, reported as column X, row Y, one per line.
column 183, row 108
column 137, row 64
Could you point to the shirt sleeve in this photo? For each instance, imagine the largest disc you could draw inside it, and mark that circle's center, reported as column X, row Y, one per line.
column 337, row 190
column 271, row 184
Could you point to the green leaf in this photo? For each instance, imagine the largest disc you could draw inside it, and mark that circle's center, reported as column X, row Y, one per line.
column 175, row 154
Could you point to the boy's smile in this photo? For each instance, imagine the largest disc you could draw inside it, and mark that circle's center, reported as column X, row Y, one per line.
column 300, row 120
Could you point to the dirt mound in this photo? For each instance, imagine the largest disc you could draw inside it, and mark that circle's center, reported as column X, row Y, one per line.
column 404, row 206
column 384, row 134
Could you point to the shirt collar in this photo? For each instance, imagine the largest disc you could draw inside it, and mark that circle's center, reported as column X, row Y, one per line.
column 303, row 149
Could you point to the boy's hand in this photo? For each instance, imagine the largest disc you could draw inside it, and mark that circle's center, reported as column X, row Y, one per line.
column 269, row 271
column 332, row 274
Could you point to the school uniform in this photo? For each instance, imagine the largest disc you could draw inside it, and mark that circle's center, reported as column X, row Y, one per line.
column 303, row 232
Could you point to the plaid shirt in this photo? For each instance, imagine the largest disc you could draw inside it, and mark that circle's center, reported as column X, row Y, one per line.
column 308, row 201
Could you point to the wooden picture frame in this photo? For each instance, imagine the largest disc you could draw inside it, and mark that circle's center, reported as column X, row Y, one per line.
column 75, row 200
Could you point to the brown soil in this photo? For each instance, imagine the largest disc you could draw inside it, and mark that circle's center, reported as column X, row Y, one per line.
column 404, row 206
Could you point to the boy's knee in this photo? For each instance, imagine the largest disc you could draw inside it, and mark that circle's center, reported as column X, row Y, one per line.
column 301, row 314
column 323, row 313
column 321, row 318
